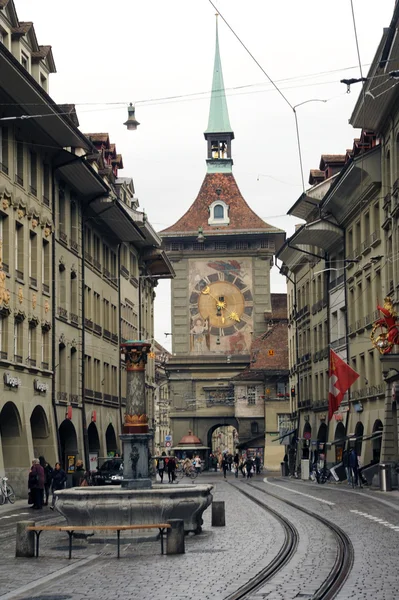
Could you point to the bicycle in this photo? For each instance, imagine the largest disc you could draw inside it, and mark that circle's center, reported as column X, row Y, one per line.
column 6, row 491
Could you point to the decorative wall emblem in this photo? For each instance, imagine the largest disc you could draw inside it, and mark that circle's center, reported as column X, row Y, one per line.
column 20, row 213
column 20, row 295
column 34, row 223
column 62, row 341
column 34, row 301
column 11, row 381
column 5, row 204
column 2, row 286
column 61, row 264
column 47, row 231
column 46, row 306
column 40, row 386
column 73, row 271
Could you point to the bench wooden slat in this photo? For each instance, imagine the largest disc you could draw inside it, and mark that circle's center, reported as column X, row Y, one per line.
column 96, row 527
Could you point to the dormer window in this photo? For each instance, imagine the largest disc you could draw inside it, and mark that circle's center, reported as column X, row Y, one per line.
column 25, row 61
column 218, row 213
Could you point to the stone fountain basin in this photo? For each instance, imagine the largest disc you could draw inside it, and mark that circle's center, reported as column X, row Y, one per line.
column 110, row 505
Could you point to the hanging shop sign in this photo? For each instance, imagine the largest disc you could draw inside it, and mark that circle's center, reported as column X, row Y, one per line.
column 40, row 386
column 11, row 381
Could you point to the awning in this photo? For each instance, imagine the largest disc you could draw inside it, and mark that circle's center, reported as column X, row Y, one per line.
column 80, row 175
column 158, row 263
column 285, row 435
column 251, row 443
column 321, row 233
column 188, row 447
column 364, row 438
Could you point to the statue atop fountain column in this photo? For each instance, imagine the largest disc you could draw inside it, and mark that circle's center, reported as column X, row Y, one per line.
column 135, row 437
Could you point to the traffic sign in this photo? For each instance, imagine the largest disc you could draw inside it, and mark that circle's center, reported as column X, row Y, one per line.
column 168, row 438
column 168, row 444
column 307, row 435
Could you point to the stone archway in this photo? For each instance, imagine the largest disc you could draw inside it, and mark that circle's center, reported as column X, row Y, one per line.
column 227, row 423
column 359, row 430
column 340, row 439
column 377, row 441
column 68, row 441
column 13, row 438
column 110, row 439
column 41, row 438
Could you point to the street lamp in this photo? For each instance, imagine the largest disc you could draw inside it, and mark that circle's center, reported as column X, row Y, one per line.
column 131, row 122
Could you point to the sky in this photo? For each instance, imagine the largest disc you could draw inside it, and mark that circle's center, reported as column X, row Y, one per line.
column 159, row 55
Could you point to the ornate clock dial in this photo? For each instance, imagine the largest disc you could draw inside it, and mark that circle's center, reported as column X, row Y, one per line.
column 224, row 301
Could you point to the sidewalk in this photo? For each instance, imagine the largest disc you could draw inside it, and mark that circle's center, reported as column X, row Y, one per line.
column 18, row 505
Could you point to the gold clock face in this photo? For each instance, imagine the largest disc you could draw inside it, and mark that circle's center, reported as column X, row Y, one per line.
column 222, row 304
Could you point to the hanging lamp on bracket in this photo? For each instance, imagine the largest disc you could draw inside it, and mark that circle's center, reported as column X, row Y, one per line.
column 131, row 122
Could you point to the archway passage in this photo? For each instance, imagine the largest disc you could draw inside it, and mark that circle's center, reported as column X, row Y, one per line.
column 110, row 439
column 224, row 439
column 94, row 440
column 340, row 438
column 377, row 440
column 13, row 438
column 322, row 434
column 41, row 438
column 68, row 441
column 359, row 430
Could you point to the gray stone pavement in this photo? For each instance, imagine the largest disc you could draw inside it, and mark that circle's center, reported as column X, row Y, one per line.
column 216, row 562
column 219, row 560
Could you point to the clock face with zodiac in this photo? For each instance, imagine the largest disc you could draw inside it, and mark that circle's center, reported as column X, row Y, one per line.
column 221, row 302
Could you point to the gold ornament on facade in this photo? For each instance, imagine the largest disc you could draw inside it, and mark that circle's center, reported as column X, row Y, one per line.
column 388, row 328
column 2, row 286
column 20, row 213
column 34, row 223
column 1, row 254
column 34, row 300
column 136, row 419
column 46, row 306
column 20, row 295
column 5, row 204
column 47, row 231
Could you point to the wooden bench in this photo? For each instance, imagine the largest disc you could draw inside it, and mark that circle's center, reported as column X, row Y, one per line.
column 71, row 529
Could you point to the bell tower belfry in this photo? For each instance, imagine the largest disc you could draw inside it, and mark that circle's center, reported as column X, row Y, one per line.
column 219, row 133
column 222, row 253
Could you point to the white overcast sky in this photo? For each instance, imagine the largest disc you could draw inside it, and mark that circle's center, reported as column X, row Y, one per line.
column 128, row 51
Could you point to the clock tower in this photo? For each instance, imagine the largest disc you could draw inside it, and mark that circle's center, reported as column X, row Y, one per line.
column 222, row 253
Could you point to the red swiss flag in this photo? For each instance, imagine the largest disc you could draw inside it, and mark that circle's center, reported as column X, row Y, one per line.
column 341, row 377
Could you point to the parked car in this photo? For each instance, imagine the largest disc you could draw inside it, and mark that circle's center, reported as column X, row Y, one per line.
column 109, row 473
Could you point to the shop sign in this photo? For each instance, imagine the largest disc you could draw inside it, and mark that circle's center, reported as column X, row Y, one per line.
column 40, row 386
column 11, row 381
column 338, row 417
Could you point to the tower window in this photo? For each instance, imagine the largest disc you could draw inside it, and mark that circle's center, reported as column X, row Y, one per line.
column 218, row 212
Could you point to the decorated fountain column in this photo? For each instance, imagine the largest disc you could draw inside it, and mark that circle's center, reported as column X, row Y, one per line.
column 135, row 437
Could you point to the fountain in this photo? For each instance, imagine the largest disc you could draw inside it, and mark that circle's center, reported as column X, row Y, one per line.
column 138, row 500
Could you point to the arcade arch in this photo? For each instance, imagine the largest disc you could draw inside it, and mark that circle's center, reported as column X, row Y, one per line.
column 13, row 437
column 340, row 439
column 378, row 427
column 110, row 439
column 68, row 441
column 41, row 438
column 359, row 430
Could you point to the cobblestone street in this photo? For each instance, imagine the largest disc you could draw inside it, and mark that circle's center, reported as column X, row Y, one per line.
column 219, row 560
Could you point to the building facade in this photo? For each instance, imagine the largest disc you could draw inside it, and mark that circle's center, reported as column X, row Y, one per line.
column 222, row 253
column 79, row 267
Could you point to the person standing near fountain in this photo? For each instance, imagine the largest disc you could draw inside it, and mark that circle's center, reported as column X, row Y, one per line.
column 161, row 466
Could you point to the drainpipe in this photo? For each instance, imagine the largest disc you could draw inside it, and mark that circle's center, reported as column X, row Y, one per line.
column 53, row 308
column 120, row 335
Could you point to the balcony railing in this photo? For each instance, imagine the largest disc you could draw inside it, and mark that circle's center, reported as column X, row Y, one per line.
column 97, row 264
column 45, row 365
column 106, row 273
column 124, row 272
column 6, row 268
column 97, row 328
column 115, row 399
column 74, row 398
column 19, row 179
column 33, row 190
column 134, row 281
column 74, row 318
column 107, row 334
column 74, row 246
column 33, row 281
column 107, row 397
column 375, row 238
column 63, row 236
column 62, row 396
column 46, row 288
column 31, row 362
column 46, row 201
column 387, row 200
column 62, row 313
column 89, row 393
column 98, row 395
column 89, row 258
column 115, row 337
column 3, row 355
column 89, row 323
column 19, row 274
column 4, row 168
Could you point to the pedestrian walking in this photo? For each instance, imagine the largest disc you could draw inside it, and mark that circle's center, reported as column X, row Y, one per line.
column 171, row 469
column 257, row 464
column 229, row 460
column 36, row 484
column 345, row 462
column 225, row 465
column 213, row 462
column 58, row 481
column 79, row 477
column 354, row 467
column 236, row 461
column 197, row 464
column 48, row 475
column 249, row 465
column 161, row 466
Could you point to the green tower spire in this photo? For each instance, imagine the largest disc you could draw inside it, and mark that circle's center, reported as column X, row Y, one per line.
column 219, row 132
column 219, row 121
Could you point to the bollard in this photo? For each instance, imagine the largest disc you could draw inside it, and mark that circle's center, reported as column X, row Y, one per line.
column 25, row 542
column 175, row 537
column 218, row 514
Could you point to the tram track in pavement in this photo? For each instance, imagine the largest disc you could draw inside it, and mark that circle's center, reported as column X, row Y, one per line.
column 339, row 572
column 8, row 522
